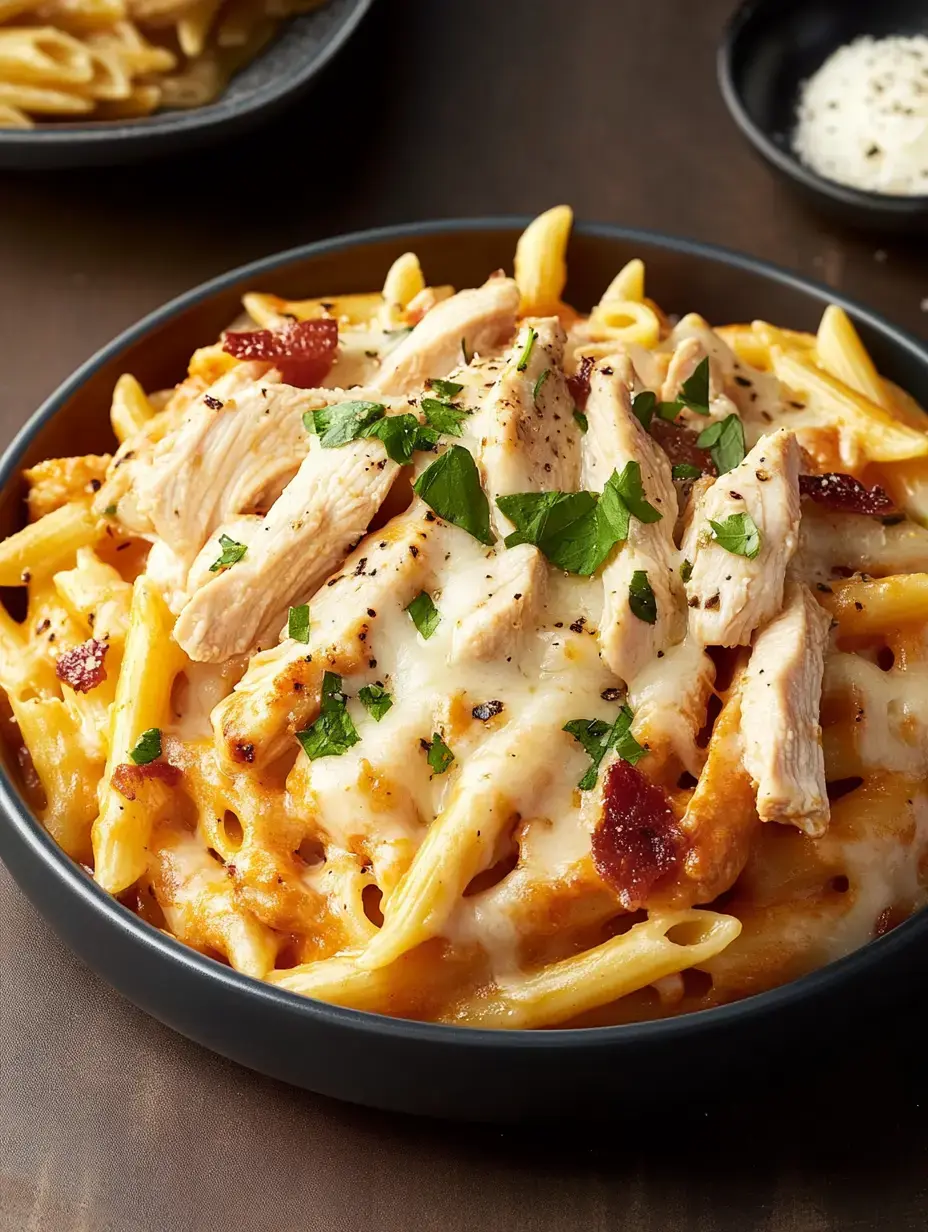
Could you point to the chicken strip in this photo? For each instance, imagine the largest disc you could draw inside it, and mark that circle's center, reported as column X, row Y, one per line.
column 730, row 593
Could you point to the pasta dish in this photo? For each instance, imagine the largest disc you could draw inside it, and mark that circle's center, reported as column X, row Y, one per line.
column 123, row 59
column 455, row 655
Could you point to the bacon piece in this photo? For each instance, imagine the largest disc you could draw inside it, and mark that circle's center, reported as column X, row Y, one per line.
column 845, row 494
column 638, row 843
column 303, row 351
column 82, row 668
column 128, row 778
column 579, row 383
column 679, row 444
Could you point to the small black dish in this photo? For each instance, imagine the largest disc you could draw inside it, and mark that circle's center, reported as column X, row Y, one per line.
column 770, row 47
column 421, row 1067
column 299, row 50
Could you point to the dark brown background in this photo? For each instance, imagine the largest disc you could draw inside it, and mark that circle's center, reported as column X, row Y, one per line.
column 110, row 1123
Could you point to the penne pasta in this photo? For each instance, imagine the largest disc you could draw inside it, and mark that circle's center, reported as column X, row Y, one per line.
column 47, row 545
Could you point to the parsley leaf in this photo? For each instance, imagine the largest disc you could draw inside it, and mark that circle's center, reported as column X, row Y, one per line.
column 686, row 571
column 527, row 350
column 451, row 486
column 694, row 392
column 147, row 747
column 232, row 553
column 643, row 407
column 333, row 733
column 444, row 417
column 581, row 421
column 427, row 439
column 298, row 623
column 424, row 614
column 683, row 470
column 597, row 738
column 725, row 442
column 444, row 389
column 440, row 756
column 375, row 699
column 641, row 597
column 738, row 534
column 573, row 530
column 399, row 434
column 467, row 358
column 628, row 485
column 539, row 383
column 109, row 511
column 344, row 422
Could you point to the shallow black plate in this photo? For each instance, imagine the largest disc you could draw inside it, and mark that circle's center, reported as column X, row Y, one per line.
column 300, row 49
column 419, row 1067
column 769, row 49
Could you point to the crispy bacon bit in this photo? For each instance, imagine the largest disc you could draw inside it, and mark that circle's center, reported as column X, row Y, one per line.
column 638, row 842
column 128, row 778
column 82, row 668
column 679, row 444
column 579, row 383
column 845, row 494
column 303, row 351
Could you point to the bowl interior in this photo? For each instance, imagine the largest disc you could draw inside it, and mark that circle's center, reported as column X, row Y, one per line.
column 778, row 44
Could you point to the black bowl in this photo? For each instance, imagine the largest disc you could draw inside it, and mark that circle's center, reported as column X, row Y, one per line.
column 388, row 1063
column 279, row 74
column 770, row 47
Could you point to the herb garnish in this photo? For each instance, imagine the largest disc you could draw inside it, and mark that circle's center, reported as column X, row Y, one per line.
column 344, row 422
column 543, row 376
column 686, row 571
column 298, row 623
column 333, row 733
column 597, row 738
column 375, row 699
column 467, row 358
column 440, row 756
column 629, row 487
column 581, row 421
column 400, row 436
column 444, row 389
column 444, row 417
column 451, row 487
column 109, row 511
column 641, row 598
column 694, row 394
column 684, row 470
column 424, row 614
column 147, row 748
column 643, row 407
column 232, row 553
column 527, row 350
column 738, row 534
column 725, row 442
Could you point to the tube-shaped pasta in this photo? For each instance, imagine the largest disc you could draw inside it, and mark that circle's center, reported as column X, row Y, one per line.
column 842, row 354
column 878, row 604
column 541, row 260
column 47, row 545
column 44, row 56
column 130, row 409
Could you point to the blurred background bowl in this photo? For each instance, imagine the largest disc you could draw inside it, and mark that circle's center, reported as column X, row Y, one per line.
column 278, row 75
column 770, row 47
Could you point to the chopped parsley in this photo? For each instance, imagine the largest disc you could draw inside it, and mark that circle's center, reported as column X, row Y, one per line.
column 643, row 407
column 629, row 487
column 540, row 383
column 444, row 417
column 694, row 394
column 424, row 614
column 440, row 756
column 375, row 699
column 444, row 389
column 527, row 350
column 298, row 623
column 333, row 733
column 598, row 737
column 581, row 421
column 400, row 436
column 683, row 470
column 641, row 597
column 109, row 511
column 231, row 554
column 451, row 487
column 738, row 534
column 686, row 571
column 725, row 442
column 344, row 422
column 147, row 748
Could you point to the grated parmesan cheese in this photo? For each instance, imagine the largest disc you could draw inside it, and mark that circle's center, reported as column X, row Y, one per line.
column 863, row 117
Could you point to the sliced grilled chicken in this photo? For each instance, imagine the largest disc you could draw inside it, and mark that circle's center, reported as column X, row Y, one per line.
column 615, row 438
column 473, row 321
column 832, row 543
column 279, row 694
column 730, row 595
column 324, row 509
column 669, row 698
column 493, row 601
column 780, row 714
column 686, row 358
column 527, row 438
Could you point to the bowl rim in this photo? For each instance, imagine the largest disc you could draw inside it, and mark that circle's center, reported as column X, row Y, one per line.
column 726, row 56
column 211, row 117
column 71, row 878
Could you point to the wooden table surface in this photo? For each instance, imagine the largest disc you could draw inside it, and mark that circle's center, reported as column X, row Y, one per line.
column 110, row 1123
